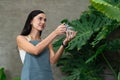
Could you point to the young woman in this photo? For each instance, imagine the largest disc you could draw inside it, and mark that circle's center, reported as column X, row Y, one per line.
column 36, row 53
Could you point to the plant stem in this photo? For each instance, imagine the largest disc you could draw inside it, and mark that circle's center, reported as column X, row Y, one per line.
column 109, row 65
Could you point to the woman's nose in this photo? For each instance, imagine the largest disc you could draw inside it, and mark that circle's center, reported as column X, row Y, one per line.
column 43, row 22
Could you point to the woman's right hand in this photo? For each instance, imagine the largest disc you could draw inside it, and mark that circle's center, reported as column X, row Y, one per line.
column 61, row 29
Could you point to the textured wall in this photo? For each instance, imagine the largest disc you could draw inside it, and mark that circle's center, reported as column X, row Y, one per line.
column 13, row 14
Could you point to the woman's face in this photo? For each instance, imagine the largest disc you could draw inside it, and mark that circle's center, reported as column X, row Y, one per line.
column 39, row 21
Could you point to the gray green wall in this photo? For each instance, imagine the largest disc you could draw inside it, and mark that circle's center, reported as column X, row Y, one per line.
column 13, row 14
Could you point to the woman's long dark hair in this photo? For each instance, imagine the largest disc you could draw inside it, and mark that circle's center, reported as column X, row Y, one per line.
column 27, row 27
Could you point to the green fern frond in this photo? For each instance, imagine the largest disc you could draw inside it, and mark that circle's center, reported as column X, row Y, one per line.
column 109, row 10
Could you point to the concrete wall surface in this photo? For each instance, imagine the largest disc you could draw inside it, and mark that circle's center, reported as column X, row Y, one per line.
column 13, row 14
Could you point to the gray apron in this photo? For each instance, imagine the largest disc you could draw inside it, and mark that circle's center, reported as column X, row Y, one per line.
column 37, row 67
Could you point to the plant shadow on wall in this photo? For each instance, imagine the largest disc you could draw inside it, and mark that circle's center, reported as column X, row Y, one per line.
column 92, row 51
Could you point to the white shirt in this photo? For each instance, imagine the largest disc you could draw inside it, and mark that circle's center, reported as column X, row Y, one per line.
column 22, row 52
column 22, row 55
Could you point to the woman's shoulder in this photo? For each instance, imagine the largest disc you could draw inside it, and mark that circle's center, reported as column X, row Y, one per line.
column 20, row 37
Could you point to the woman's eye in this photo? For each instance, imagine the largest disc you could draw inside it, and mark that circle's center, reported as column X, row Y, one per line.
column 42, row 19
column 45, row 20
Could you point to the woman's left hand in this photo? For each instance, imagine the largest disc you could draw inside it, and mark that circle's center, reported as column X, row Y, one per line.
column 69, row 36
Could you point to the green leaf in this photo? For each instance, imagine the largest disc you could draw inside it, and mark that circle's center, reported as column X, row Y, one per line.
column 119, row 76
column 99, row 51
column 113, row 45
column 109, row 10
column 17, row 78
column 2, row 74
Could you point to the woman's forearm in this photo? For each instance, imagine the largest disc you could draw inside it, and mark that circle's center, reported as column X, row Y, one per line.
column 59, row 52
column 57, row 55
column 45, row 42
